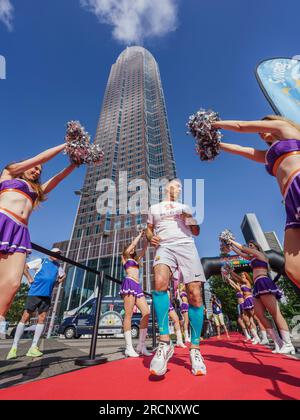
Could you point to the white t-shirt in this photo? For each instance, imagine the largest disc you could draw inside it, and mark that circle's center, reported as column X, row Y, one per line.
column 36, row 265
column 169, row 224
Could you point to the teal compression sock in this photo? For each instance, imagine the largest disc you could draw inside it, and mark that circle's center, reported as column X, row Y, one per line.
column 161, row 303
column 196, row 316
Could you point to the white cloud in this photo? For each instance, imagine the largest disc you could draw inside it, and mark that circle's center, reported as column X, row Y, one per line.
column 135, row 20
column 6, row 13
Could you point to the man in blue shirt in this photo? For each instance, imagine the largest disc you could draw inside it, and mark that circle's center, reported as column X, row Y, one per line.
column 47, row 274
column 218, row 316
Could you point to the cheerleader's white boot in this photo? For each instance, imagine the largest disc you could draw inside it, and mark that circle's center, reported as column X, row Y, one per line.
column 129, row 351
column 141, row 347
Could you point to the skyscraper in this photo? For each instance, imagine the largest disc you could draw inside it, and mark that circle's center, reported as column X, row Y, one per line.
column 134, row 134
column 252, row 230
column 273, row 241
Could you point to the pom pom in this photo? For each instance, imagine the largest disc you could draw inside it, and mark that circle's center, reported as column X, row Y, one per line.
column 78, row 146
column 96, row 154
column 227, row 268
column 225, row 275
column 207, row 138
column 75, row 132
column 225, row 237
column 226, row 271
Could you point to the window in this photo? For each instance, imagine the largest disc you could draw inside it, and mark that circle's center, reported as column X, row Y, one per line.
column 86, row 310
column 128, row 222
column 107, row 222
column 118, row 225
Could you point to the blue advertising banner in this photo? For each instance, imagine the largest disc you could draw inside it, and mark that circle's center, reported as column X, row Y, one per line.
column 279, row 79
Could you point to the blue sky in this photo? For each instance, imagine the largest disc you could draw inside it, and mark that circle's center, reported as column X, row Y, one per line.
column 58, row 60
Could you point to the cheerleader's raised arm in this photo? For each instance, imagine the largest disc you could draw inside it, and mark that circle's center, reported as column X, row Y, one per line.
column 18, row 168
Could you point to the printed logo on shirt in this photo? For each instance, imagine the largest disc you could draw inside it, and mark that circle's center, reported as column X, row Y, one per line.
column 157, row 258
column 170, row 206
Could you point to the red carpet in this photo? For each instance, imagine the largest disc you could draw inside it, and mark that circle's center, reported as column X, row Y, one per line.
column 235, row 371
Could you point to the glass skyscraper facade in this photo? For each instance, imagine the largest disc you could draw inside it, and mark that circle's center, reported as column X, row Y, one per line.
column 134, row 134
column 273, row 241
column 252, row 231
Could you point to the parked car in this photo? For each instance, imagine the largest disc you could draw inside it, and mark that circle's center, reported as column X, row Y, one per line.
column 81, row 322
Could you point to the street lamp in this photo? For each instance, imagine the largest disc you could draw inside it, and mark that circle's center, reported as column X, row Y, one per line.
column 82, row 193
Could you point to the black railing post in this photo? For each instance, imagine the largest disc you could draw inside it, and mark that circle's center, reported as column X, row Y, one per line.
column 93, row 360
column 153, row 325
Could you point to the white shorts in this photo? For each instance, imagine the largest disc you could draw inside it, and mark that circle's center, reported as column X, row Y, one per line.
column 181, row 258
column 219, row 319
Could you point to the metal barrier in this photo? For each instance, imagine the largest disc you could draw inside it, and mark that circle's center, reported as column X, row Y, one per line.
column 92, row 359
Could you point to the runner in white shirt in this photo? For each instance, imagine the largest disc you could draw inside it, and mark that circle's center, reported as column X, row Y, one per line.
column 170, row 229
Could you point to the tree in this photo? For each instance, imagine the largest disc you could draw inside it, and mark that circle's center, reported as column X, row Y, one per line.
column 17, row 307
column 292, row 305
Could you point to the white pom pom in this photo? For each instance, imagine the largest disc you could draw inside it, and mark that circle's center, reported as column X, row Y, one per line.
column 78, row 146
column 225, row 237
column 208, row 138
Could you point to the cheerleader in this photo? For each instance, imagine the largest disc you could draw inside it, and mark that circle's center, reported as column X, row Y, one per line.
column 184, row 309
column 245, row 283
column 266, row 295
column 240, row 300
column 264, row 340
column 21, row 191
column 132, row 294
column 282, row 160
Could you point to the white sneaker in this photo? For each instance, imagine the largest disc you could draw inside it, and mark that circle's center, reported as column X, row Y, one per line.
column 277, row 349
column 129, row 352
column 143, row 350
column 180, row 344
column 187, row 340
column 255, row 342
column 198, row 366
column 160, row 360
column 287, row 349
column 265, row 342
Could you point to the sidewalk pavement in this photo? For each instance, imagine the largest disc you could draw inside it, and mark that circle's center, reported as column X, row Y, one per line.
column 59, row 357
